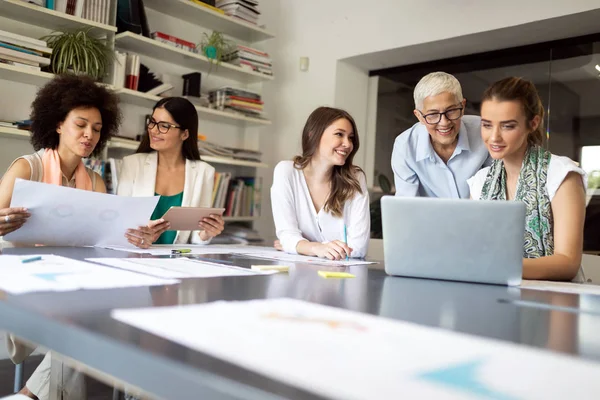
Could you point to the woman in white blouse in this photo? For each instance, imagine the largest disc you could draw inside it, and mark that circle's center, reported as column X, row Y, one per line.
column 552, row 187
column 320, row 199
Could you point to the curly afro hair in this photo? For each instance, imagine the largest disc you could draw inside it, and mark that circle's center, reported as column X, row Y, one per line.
column 64, row 93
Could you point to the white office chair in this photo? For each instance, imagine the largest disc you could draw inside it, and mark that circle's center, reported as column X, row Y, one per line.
column 591, row 268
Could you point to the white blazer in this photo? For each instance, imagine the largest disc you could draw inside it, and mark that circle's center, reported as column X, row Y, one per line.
column 138, row 179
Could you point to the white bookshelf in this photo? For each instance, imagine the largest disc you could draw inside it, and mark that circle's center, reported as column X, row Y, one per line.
column 50, row 19
column 151, row 48
column 184, row 10
column 188, row 11
column 14, row 133
column 24, row 75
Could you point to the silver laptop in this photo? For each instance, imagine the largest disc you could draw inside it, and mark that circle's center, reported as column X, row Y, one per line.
column 452, row 239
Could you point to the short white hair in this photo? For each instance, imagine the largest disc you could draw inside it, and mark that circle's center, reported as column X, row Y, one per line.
column 436, row 83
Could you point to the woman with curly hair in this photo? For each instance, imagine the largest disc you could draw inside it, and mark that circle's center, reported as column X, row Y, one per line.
column 321, row 196
column 73, row 118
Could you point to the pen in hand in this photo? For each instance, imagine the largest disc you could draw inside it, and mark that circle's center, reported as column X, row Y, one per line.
column 346, row 239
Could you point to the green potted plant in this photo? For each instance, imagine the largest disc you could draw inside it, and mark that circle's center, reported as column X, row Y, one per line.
column 79, row 53
column 215, row 47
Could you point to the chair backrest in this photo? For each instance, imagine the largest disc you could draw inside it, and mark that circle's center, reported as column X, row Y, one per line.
column 375, row 249
column 591, row 268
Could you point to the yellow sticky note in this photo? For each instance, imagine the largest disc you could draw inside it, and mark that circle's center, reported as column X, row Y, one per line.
column 279, row 268
column 332, row 274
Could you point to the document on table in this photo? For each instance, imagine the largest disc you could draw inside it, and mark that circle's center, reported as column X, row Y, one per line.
column 565, row 287
column 158, row 250
column 179, row 267
column 295, row 258
column 320, row 348
column 55, row 273
column 63, row 216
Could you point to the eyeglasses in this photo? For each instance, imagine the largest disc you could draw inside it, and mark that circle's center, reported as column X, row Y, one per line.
column 435, row 118
column 162, row 126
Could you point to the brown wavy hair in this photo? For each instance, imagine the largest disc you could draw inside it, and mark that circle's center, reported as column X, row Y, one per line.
column 523, row 91
column 344, row 180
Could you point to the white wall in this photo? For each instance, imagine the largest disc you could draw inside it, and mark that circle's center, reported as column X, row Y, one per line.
column 332, row 30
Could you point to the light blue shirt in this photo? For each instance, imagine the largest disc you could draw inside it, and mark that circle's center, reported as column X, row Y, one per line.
column 419, row 171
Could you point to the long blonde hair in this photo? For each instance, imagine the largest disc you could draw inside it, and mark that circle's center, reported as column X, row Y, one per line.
column 344, row 180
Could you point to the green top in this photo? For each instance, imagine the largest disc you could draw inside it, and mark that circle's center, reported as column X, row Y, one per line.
column 164, row 203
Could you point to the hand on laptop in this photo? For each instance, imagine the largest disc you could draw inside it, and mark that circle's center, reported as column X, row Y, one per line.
column 334, row 250
column 277, row 245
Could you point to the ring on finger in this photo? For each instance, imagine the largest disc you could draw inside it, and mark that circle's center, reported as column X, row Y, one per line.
column 7, row 218
column 142, row 242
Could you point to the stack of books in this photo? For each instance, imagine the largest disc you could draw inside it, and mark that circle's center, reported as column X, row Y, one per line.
column 174, row 41
column 252, row 59
column 23, row 51
column 211, row 149
column 246, row 10
column 235, row 100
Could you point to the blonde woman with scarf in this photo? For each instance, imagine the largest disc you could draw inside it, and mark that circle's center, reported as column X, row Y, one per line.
column 73, row 118
column 552, row 187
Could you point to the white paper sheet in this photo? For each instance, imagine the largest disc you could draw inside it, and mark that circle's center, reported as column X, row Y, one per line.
column 565, row 287
column 281, row 256
column 347, row 355
column 63, row 216
column 180, row 267
column 55, row 273
column 160, row 249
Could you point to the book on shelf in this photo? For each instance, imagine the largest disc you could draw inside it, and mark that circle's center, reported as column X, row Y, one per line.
column 132, row 71
column 119, row 66
column 239, row 101
column 251, row 59
column 210, row 6
column 245, row 10
column 108, row 171
column 39, row 47
column 22, row 51
column 211, row 149
column 174, row 41
column 239, row 196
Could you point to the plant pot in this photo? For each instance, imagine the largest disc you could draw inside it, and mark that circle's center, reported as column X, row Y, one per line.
column 210, row 52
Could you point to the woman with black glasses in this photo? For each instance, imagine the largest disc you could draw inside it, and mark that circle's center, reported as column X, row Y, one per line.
column 443, row 149
column 167, row 164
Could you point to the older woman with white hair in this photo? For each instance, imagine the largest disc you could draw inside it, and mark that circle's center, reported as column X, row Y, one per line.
column 438, row 154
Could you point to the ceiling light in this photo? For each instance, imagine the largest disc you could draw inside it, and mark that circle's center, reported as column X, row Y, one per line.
column 598, row 67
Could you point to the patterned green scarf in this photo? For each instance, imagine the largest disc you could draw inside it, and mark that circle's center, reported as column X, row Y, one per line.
column 531, row 190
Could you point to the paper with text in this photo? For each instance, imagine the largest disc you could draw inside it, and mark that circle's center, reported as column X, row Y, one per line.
column 347, row 355
column 63, row 216
column 179, row 267
column 55, row 273
column 161, row 250
column 565, row 287
column 295, row 258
